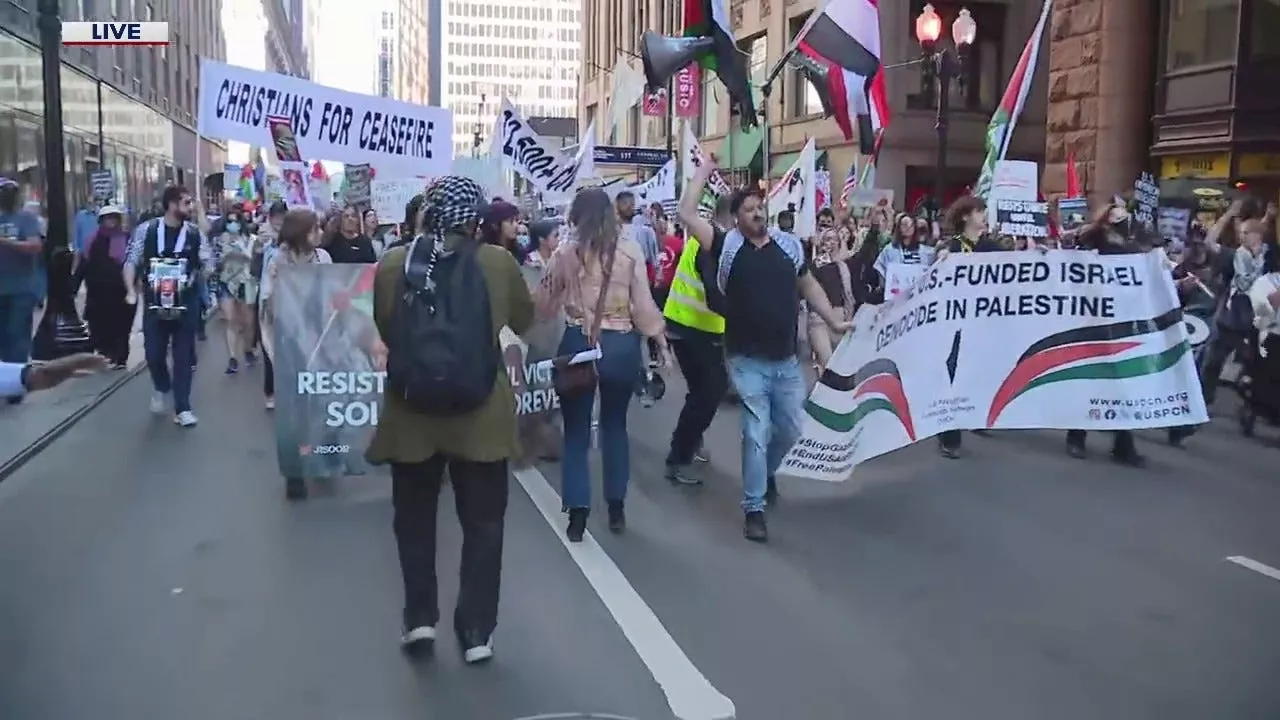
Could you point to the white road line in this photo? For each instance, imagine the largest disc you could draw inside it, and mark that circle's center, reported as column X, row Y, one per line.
column 1255, row 566
column 689, row 694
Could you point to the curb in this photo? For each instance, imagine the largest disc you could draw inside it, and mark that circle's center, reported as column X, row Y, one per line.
column 25, row 455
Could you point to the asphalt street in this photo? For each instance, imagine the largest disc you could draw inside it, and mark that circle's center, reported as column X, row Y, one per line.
column 155, row 573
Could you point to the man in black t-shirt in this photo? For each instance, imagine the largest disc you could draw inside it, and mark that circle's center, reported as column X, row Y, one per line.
column 761, row 275
column 170, row 238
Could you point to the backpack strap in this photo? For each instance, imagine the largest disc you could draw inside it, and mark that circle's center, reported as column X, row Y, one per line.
column 607, row 268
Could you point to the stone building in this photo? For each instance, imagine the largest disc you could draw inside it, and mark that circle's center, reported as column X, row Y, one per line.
column 1182, row 88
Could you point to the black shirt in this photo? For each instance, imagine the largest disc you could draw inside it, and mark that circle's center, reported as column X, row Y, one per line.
column 761, row 299
column 358, row 249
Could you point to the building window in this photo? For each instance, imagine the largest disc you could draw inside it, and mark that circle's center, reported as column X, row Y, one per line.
column 802, row 99
column 979, row 87
column 1201, row 32
column 1263, row 28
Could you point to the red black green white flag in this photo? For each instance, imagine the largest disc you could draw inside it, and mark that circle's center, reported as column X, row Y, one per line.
column 710, row 18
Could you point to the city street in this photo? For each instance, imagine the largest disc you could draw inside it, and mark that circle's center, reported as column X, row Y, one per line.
column 152, row 573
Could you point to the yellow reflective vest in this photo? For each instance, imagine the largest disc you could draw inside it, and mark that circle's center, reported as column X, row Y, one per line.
column 687, row 299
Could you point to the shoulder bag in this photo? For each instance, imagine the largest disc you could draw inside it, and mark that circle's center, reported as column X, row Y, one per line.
column 571, row 380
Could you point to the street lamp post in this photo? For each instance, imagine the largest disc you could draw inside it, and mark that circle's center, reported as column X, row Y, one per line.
column 477, row 134
column 942, row 65
column 60, row 332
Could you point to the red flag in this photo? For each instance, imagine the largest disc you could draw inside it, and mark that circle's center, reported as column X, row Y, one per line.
column 1073, row 179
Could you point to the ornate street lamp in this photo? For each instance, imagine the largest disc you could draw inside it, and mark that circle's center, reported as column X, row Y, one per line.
column 943, row 64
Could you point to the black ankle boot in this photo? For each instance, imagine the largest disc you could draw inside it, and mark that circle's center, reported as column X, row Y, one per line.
column 617, row 516
column 577, row 524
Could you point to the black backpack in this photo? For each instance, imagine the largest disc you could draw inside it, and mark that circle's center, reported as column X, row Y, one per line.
column 442, row 356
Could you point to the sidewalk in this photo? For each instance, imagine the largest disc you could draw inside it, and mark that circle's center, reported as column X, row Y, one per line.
column 29, row 427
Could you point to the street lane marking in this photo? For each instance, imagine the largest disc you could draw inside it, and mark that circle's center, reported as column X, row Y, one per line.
column 1255, row 566
column 689, row 694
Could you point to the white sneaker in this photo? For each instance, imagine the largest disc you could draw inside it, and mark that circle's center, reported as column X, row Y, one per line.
column 186, row 418
column 418, row 639
column 271, row 403
column 479, row 653
column 157, row 402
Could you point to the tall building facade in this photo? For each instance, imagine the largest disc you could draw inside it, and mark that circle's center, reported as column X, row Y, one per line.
column 286, row 27
column 130, row 110
column 346, row 48
column 403, row 68
column 764, row 28
column 1180, row 88
column 248, row 20
column 524, row 50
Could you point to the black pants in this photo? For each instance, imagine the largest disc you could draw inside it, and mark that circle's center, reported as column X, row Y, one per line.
column 268, row 376
column 701, row 361
column 1220, row 348
column 110, row 325
column 480, row 496
column 1122, row 444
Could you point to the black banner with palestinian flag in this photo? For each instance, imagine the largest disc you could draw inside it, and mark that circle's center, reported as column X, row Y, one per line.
column 710, row 19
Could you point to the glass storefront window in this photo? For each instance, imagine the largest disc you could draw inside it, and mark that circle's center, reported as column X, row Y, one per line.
column 1201, row 32
column 1263, row 28
column 30, row 147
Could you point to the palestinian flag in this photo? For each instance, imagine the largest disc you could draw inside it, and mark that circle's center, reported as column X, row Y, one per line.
column 876, row 387
column 1098, row 352
column 845, row 36
column 710, row 18
column 359, row 294
column 1000, row 130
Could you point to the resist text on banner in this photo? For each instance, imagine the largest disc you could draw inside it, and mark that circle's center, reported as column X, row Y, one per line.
column 330, row 124
column 688, row 84
column 1061, row 340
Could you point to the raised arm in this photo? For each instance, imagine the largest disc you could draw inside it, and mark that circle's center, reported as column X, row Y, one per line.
column 696, row 225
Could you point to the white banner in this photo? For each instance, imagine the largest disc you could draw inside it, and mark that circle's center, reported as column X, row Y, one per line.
column 692, row 157
column 796, row 192
column 536, row 159
column 388, row 198
column 1062, row 340
column 661, row 188
column 330, row 124
column 899, row 277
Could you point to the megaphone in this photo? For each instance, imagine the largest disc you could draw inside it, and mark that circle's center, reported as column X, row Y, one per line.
column 664, row 56
column 816, row 73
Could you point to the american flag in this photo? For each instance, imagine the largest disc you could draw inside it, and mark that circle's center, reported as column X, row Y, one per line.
column 850, row 183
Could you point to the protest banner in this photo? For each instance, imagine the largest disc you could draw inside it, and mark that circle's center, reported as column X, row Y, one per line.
column 692, row 157
column 330, row 368
column 1022, row 218
column 331, row 124
column 1004, row 340
column 388, row 198
column 660, row 188
column 899, row 277
column 1073, row 213
column 537, row 159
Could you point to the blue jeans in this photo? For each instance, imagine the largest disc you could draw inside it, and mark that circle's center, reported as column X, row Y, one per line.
column 772, row 393
column 157, row 338
column 620, row 356
column 16, row 313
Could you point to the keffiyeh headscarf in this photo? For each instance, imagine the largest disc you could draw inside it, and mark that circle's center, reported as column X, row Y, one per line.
column 449, row 203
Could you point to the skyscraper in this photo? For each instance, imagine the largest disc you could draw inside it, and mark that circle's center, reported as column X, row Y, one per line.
column 526, row 51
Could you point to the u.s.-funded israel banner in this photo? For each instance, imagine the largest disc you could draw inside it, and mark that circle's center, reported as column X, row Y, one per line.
column 1063, row 340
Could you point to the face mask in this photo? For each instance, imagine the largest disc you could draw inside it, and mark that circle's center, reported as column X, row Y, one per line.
column 523, row 241
column 233, row 228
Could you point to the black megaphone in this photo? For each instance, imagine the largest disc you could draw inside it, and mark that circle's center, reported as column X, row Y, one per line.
column 664, row 56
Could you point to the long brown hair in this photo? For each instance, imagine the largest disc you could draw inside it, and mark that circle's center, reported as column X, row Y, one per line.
column 595, row 223
column 295, row 231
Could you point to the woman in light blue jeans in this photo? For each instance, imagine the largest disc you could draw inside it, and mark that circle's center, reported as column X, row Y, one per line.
column 598, row 267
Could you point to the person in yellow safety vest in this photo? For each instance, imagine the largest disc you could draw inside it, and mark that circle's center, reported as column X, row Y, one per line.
column 696, row 332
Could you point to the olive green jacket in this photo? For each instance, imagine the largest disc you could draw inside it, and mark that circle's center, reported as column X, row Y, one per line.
column 489, row 433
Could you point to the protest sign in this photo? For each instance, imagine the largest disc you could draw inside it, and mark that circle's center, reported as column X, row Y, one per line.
column 1073, row 213
column 660, row 188
column 692, row 157
column 863, row 200
column 1146, row 197
column 536, row 159
column 103, row 185
column 1173, row 223
column 330, row 371
column 1021, row 218
column 356, row 190
column 330, row 368
column 331, row 124
column 388, row 198
column 1004, row 340
column 1012, row 180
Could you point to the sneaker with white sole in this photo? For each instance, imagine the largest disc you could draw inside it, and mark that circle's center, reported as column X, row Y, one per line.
column 271, row 403
column 158, row 400
column 186, row 418
column 478, row 653
column 418, row 640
